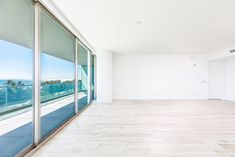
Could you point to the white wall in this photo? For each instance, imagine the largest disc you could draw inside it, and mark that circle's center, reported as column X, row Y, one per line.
column 104, row 76
column 137, row 76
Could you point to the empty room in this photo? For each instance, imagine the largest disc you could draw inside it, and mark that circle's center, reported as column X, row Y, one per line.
column 117, row 78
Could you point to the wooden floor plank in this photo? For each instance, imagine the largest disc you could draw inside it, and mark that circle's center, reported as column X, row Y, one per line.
column 149, row 129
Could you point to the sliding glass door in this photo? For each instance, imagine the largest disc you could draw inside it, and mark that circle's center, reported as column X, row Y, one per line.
column 82, row 58
column 32, row 108
column 57, row 74
column 16, row 52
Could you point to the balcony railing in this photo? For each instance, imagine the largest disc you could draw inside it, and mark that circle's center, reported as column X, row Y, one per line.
column 16, row 98
column 12, row 98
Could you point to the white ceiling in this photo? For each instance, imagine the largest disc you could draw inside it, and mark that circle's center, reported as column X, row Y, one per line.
column 168, row 26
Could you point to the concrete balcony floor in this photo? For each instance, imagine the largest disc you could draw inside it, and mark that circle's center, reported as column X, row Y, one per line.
column 16, row 131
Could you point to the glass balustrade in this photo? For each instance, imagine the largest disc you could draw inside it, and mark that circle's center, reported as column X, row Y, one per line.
column 14, row 98
column 19, row 96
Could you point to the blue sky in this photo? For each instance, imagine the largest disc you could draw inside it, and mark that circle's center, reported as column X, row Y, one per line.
column 16, row 63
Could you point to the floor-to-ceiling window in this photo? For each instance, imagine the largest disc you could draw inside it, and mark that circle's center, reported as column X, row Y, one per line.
column 57, row 74
column 82, row 58
column 92, row 77
column 16, row 51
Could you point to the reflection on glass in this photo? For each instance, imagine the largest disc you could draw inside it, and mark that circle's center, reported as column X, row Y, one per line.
column 92, row 77
column 82, row 55
column 57, row 74
column 15, row 76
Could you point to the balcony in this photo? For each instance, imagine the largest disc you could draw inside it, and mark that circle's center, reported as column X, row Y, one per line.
column 57, row 106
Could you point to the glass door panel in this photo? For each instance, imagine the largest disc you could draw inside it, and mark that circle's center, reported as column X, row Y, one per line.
column 16, row 51
column 82, row 55
column 57, row 74
column 92, row 77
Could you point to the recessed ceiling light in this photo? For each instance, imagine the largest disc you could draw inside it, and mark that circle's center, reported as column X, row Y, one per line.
column 138, row 22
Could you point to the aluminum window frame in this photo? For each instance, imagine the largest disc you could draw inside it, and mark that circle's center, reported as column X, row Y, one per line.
column 36, row 121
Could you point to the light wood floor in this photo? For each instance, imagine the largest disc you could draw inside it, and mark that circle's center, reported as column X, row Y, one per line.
column 148, row 129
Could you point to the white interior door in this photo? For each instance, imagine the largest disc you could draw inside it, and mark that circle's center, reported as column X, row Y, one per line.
column 216, row 79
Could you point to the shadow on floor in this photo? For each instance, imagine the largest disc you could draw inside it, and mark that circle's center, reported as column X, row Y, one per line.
column 16, row 140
